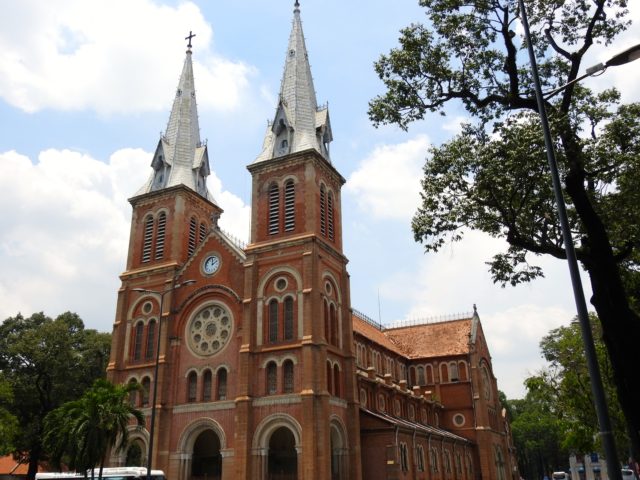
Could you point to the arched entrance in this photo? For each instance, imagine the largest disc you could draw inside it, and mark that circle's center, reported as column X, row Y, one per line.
column 206, row 462
column 283, row 459
column 134, row 455
column 338, row 444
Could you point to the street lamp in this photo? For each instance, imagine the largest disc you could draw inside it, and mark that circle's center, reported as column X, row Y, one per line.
column 599, row 400
column 161, row 295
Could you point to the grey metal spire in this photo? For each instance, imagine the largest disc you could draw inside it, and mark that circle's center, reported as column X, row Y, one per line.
column 180, row 157
column 298, row 123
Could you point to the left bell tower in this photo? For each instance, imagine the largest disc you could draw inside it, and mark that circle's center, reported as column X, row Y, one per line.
column 173, row 213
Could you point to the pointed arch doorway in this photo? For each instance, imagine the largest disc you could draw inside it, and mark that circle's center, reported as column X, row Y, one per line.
column 206, row 462
column 282, row 463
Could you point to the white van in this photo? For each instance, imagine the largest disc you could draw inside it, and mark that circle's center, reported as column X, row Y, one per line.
column 560, row 476
column 627, row 474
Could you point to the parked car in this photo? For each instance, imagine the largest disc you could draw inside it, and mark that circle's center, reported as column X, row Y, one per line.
column 627, row 474
column 560, row 476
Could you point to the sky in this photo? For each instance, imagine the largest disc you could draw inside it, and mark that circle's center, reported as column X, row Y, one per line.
column 85, row 91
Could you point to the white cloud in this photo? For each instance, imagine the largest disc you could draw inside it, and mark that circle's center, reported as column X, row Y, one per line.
column 386, row 184
column 74, row 59
column 65, row 228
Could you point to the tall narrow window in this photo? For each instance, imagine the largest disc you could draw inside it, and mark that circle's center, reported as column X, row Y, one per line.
column 327, row 331
column 192, row 387
column 137, row 341
column 323, row 211
column 444, row 373
column 148, row 238
column 206, row 386
column 274, row 209
column 333, row 322
column 272, row 378
column 429, row 375
column 192, row 237
column 273, row 321
column 151, row 340
column 288, row 318
column 287, row 371
column 203, row 232
column 420, row 373
column 146, row 387
column 289, row 206
column 133, row 394
column 160, row 234
column 453, row 371
column 462, row 371
column 329, row 378
column 336, row 381
column 222, row 384
column 330, row 216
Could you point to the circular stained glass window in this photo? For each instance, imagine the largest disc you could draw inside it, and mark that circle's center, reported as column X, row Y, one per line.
column 209, row 330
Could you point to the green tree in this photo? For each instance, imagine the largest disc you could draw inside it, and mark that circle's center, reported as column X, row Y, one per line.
column 493, row 177
column 47, row 362
column 82, row 431
column 8, row 421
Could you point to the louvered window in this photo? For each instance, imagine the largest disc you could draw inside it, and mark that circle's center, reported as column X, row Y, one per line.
column 288, row 318
column 330, row 215
column 203, row 231
column 273, row 321
column 192, row 237
column 160, row 235
column 289, row 206
column 151, row 336
column 323, row 211
column 287, row 368
column 192, row 387
column 148, row 238
column 146, row 386
column 274, row 209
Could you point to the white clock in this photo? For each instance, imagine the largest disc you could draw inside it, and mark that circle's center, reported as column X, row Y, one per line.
column 211, row 264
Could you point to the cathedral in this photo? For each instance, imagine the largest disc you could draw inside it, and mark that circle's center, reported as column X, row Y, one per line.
column 251, row 362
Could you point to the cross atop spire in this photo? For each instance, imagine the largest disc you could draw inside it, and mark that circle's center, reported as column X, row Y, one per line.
column 191, row 35
column 296, row 6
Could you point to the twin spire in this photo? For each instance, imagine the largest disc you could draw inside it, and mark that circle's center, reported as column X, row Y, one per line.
column 181, row 158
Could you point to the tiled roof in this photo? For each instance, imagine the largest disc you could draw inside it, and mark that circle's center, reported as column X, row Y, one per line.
column 374, row 334
column 432, row 339
column 8, row 466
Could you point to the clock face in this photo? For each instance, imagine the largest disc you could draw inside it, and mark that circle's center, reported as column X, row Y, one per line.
column 211, row 264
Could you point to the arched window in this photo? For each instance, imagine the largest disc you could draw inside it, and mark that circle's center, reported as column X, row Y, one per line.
column 444, row 373
column 287, row 371
column 274, row 209
column 462, row 371
column 325, row 314
column 329, row 378
column 289, row 206
column 336, row 381
column 404, row 457
column 133, row 394
column 446, row 458
column 420, row 373
column 146, row 388
column 160, row 235
column 147, row 239
column 288, row 318
column 333, row 322
column 206, row 386
column 433, row 459
column 429, row 370
column 151, row 340
column 192, row 387
column 323, row 211
column 420, row 458
column 330, row 216
column 222, row 384
column 499, row 459
column 272, row 378
column 191, row 247
column 273, row 321
column 137, row 341
column 453, row 371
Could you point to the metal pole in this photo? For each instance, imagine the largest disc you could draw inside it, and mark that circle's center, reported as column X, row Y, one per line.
column 155, row 388
column 599, row 401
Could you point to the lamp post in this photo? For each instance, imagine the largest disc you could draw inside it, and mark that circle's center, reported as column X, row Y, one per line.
column 599, row 400
column 161, row 294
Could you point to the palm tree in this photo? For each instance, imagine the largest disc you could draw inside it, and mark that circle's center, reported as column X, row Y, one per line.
column 82, row 431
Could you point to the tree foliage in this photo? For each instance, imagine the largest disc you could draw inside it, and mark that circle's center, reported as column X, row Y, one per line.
column 557, row 416
column 47, row 362
column 81, row 432
column 494, row 177
column 8, row 421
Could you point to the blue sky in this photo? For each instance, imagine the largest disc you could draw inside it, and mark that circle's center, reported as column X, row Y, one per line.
column 86, row 87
